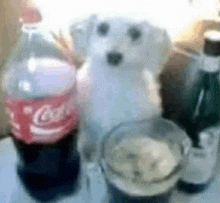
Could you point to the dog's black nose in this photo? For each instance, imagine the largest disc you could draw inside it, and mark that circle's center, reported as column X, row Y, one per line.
column 114, row 58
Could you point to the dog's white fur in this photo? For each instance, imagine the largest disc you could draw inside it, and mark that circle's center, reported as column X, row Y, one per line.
column 109, row 95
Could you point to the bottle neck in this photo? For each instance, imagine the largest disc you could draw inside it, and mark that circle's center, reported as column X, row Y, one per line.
column 30, row 26
column 38, row 29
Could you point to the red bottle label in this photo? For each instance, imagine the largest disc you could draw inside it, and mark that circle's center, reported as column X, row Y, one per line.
column 42, row 120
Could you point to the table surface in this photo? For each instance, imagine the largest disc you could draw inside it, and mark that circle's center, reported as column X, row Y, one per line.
column 12, row 191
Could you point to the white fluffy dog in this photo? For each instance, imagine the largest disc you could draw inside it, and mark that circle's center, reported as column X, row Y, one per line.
column 116, row 84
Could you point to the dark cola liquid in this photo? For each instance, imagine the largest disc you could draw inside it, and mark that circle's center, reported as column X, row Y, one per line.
column 49, row 171
column 118, row 196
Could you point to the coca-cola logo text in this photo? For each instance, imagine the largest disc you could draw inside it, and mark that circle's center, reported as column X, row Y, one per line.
column 47, row 114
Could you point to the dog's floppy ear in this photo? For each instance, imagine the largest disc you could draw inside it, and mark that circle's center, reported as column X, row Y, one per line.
column 159, row 48
column 80, row 31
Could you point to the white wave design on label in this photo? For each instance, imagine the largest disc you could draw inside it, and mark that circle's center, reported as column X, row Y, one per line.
column 15, row 125
column 43, row 131
column 17, row 134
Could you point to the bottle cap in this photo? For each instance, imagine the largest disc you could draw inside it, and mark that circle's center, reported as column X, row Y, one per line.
column 212, row 43
column 31, row 15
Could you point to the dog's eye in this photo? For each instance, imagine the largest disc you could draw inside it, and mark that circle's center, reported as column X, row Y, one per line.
column 134, row 33
column 103, row 29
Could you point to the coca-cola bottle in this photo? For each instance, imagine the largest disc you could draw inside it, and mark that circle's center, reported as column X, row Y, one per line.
column 198, row 113
column 40, row 89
